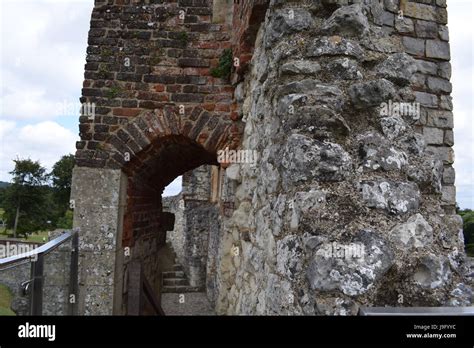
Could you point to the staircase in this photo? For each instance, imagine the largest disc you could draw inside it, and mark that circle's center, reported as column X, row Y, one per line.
column 175, row 281
column 179, row 297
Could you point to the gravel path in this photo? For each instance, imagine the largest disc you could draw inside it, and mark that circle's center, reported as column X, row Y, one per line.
column 195, row 303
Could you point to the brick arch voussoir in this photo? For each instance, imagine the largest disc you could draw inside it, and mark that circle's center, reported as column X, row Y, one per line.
column 209, row 129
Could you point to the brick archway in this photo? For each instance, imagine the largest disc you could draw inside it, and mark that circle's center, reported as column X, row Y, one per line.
column 133, row 144
column 159, row 112
column 158, row 146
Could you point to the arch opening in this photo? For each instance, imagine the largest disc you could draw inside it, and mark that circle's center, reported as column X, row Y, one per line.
column 149, row 224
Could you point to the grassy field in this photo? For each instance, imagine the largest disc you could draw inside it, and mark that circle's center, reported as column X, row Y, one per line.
column 36, row 237
column 5, row 301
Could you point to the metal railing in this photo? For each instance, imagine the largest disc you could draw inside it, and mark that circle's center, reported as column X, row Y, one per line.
column 37, row 258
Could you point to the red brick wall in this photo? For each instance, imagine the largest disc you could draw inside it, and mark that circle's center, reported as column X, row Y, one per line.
column 158, row 110
column 145, row 57
column 248, row 15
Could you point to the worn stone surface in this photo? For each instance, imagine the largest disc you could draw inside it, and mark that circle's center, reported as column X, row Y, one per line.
column 415, row 233
column 396, row 198
column 347, row 21
column 398, row 68
column 351, row 274
column 332, row 169
column 371, row 93
column 300, row 67
column 96, row 196
column 378, row 153
column 305, row 159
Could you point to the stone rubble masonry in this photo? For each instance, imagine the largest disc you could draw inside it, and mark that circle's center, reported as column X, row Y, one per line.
column 331, row 168
column 334, row 171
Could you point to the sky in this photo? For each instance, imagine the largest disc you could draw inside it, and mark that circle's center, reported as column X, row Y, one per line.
column 42, row 56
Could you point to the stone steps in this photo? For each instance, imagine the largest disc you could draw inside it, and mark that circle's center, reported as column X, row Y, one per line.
column 180, row 289
column 177, row 268
column 175, row 281
column 173, row 274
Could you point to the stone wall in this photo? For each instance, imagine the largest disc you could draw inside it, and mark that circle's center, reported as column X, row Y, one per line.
column 176, row 238
column 347, row 104
column 56, row 280
column 12, row 279
column 349, row 204
column 196, row 235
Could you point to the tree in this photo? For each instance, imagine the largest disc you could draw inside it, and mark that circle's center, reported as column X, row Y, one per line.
column 468, row 229
column 62, row 178
column 24, row 200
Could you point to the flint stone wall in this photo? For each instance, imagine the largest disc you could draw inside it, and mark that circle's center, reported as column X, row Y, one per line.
column 335, row 169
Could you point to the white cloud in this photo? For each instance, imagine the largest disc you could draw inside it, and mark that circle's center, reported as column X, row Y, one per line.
column 45, row 141
column 42, row 56
column 462, row 47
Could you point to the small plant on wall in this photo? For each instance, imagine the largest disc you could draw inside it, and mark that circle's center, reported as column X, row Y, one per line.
column 183, row 38
column 224, row 68
column 113, row 92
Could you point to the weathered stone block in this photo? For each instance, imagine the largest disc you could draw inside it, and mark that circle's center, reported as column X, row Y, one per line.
column 449, row 175
column 395, row 197
column 371, row 93
column 446, row 102
column 448, row 194
column 415, row 233
column 445, row 154
column 334, row 46
column 425, row 12
column 414, row 46
column 303, row 67
column 443, row 33
column 433, row 136
column 440, row 119
column 426, row 29
column 398, row 68
column 305, row 159
column 404, row 25
column 335, row 266
column 283, row 23
column 426, row 67
column 346, row 21
column 377, row 153
column 448, row 137
column 438, row 49
column 426, row 99
column 445, row 70
column 432, row 272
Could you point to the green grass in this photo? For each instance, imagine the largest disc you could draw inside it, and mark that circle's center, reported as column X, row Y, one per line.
column 35, row 237
column 38, row 237
column 5, row 301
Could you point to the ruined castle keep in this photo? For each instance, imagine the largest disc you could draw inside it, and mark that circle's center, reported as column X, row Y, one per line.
column 349, row 200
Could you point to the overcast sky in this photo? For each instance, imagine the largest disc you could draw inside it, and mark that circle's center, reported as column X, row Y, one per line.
column 42, row 52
